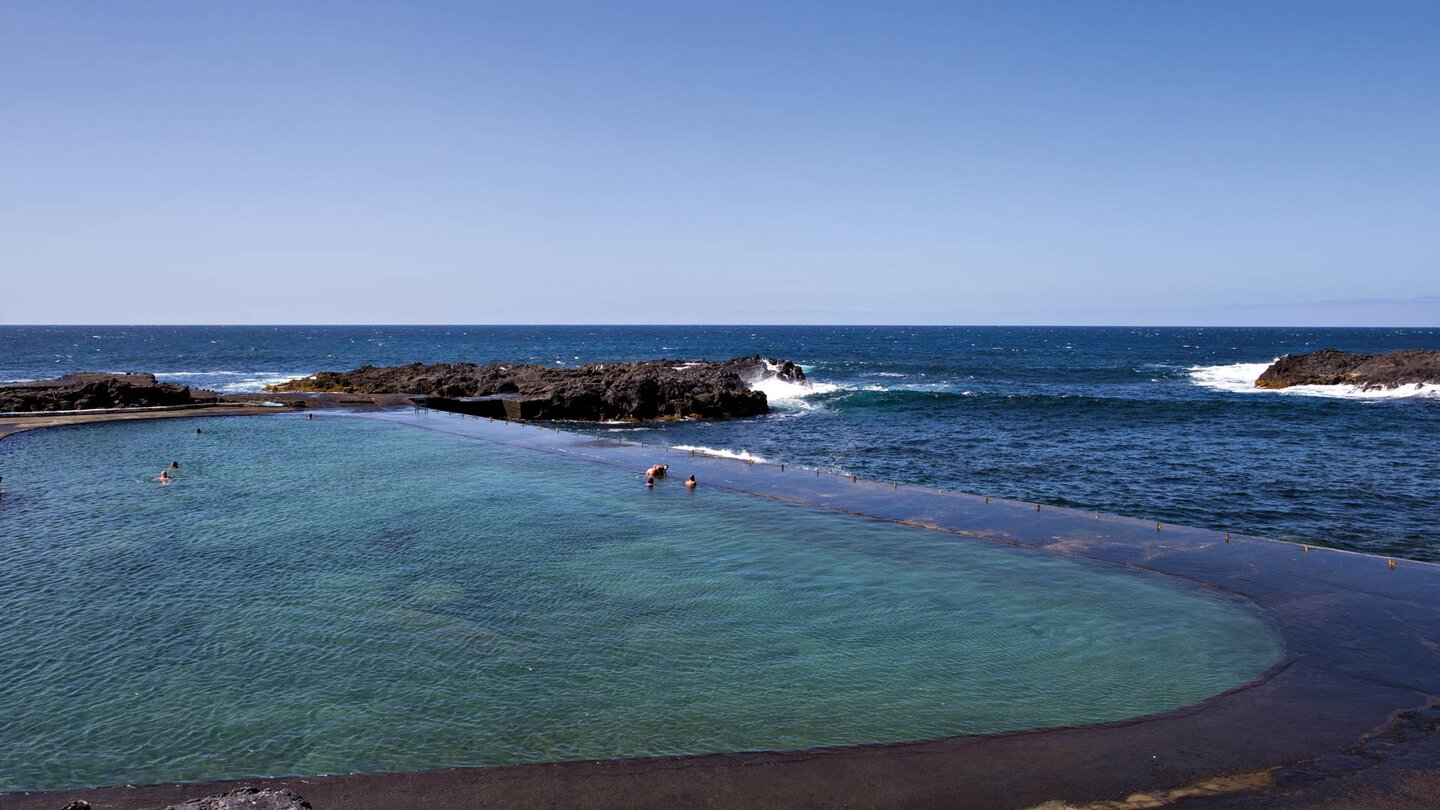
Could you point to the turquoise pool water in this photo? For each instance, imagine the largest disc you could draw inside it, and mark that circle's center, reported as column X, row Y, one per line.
column 347, row 595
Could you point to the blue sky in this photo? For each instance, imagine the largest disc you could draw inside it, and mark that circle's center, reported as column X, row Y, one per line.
column 1017, row 162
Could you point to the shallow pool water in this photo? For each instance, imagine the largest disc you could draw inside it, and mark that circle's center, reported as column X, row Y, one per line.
column 348, row 595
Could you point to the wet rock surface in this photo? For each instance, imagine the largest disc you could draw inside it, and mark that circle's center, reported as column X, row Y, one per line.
column 652, row 389
column 247, row 799
column 1367, row 371
column 92, row 391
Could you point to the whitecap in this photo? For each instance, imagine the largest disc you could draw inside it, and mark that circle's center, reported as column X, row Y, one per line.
column 240, row 382
column 787, row 394
column 778, row 390
column 742, row 455
column 1239, row 378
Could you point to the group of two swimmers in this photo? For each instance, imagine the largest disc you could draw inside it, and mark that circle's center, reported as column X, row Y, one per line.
column 660, row 471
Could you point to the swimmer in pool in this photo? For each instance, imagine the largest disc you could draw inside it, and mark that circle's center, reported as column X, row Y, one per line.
column 650, row 481
column 174, row 465
column 198, row 431
column 164, row 477
column 309, row 416
column 690, row 482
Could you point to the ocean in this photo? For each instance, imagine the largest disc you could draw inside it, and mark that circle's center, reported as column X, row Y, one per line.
column 1158, row 423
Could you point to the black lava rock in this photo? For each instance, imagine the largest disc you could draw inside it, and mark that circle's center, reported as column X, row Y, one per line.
column 1335, row 367
column 89, row 391
column 652, row 389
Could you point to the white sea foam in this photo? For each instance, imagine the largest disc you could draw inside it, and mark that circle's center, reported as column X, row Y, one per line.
column 258, row 383
column 226, row 381
column 1239, row 378
column 778, row 390
column 788, row 394
column 743, row 455
column 922, row 388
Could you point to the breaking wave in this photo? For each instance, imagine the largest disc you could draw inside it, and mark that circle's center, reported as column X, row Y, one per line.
column 785, row 393
column 226, row 381
column 742, row 455
column 1239, row 378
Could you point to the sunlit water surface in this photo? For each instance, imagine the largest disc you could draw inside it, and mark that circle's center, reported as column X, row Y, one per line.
column 344, row 595
column 1162, row 423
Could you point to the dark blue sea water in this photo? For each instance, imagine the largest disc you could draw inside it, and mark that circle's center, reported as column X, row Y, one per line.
column 1158, row 423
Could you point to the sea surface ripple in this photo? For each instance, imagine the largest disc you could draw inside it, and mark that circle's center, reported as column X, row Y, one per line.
column 344, row 595
column 1157, row 423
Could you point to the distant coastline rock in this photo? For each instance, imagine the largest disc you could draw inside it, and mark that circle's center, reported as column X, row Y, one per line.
column 1365, row 371
column 638, row 391
column 91, row 391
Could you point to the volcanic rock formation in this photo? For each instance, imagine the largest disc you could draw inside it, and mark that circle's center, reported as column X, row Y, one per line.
column 652, row 389
column 1366, row 371
column 86, row 391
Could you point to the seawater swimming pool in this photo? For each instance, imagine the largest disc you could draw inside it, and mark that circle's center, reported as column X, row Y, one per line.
column 349, row 595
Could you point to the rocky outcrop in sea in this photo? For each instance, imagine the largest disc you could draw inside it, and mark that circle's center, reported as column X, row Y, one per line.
column 90, row 391
column 637, row 391
column 1365, row 371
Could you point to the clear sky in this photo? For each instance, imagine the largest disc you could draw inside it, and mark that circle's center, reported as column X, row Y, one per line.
column 1076, row 162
